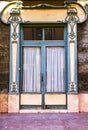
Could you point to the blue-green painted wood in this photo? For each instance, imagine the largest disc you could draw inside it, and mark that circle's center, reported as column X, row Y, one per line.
column 10, row 66
column 68, row 62
column 76, row 66
column 18, row 59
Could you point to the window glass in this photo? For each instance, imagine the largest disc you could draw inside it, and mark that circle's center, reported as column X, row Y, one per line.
column 27, row 32
column 37, row 33
column 52, row 33
column 32, row 33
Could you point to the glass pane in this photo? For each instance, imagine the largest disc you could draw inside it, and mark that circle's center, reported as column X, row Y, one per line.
column 37, row 33
column 31, row 69
column 54, row 33
column 27, row 32
column 49, row 33
column 32, row 33
column 55, row 69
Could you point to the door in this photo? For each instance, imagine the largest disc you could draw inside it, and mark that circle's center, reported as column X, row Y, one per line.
column 43, row 68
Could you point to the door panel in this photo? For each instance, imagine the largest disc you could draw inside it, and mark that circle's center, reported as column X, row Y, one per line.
column 55, row 99
column 55, row 69
column 31, row 69
column 31, row 99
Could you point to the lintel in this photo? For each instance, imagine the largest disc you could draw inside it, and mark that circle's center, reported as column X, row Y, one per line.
column 43, row 13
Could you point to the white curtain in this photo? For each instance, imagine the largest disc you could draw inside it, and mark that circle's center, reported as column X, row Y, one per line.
column 31, row 69
column 55, row 69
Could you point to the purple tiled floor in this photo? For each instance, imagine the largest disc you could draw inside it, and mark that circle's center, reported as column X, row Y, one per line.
column 66, row 121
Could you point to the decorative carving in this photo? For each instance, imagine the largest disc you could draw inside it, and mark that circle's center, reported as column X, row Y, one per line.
column 14, row 88
column 43, row 6
column 19, row 4
column 72, row 19
column 15, row 19
column 72, row 87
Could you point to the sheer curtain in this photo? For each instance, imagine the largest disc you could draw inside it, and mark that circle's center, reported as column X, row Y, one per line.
column 31, row 69
column 55, row 69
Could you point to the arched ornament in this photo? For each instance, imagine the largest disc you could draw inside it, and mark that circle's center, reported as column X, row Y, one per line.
column 44, row 12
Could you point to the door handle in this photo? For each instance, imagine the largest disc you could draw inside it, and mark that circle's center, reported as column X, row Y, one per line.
column 42, row 78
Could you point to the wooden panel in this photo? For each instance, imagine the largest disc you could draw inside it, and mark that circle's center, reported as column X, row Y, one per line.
column 55, row 99
column 31, row 99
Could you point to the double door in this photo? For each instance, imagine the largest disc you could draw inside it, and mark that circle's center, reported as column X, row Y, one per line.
column 43, row 74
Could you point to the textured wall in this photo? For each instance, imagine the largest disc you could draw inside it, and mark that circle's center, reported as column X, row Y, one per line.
column 83, row 56
column 4, row 57
column 33, row 2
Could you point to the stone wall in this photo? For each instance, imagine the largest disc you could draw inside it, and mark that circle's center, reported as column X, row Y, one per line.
column 4, row 66
column 4, row 57
column 35, row 2
column 83, row 56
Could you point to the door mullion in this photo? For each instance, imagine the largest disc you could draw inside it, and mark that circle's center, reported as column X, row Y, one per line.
column 43, row 75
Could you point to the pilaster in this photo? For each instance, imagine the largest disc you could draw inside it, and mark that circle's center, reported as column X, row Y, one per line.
column 72, row 20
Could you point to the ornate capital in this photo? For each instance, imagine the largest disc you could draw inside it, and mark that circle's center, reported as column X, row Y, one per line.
column 14, row 19
column 72, row 19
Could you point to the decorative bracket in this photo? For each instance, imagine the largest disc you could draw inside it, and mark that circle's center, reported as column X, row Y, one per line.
column 15, row 19
column 72, row 19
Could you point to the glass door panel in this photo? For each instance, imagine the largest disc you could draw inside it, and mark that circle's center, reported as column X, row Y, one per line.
column 55, row 69
column 31, row 69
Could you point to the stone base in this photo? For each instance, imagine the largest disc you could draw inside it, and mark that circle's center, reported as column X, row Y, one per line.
column 73, row 102
column 83, row 102
column 13, row 103
column 3, row 102
column 43, row 111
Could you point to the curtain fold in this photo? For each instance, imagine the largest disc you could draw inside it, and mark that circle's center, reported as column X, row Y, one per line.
column 55, row 69
column 55, row 66
column 31, row 69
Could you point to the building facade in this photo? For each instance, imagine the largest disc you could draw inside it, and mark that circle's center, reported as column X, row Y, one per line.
column 43, row 56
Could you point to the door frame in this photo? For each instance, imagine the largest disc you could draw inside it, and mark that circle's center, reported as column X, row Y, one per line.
column 43, row 45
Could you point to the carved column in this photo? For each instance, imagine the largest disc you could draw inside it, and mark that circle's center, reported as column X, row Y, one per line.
column 72, row 20
column 14, row 21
